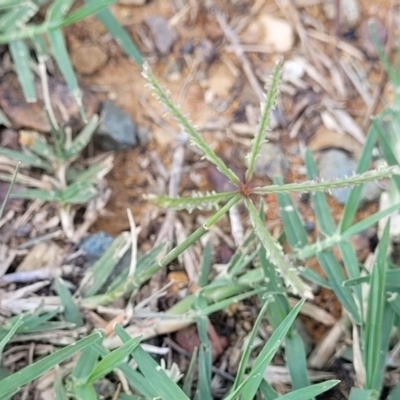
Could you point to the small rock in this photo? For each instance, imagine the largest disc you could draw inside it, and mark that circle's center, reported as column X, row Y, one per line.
column 32, row 115
column 24, row 230
column 350, row 13
column 105, row 389
column 117, row 131
column 42, row 254
column 88, row 59
column 274, row 33
column 206, row 52
column 162, row 35
column 95, row 245
column 272, row 162
column 366, row 39
column 335, row 164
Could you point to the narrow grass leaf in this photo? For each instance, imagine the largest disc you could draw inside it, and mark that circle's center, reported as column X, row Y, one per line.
column 37, row 144
column 85, row 11
column 104, row 266
column 20, row 55
column 84, row 366
column 275, row 255
column 190, row 374
column 36, row 194
column 244, row 360
column 295, row 233
column 9, row 190
column 268, row 391
column 205, row 266
column 59, row 389
column 197, row 201
column 250, row 385
column 113, row 360
column 266, row 109
column 71, row 310
column 394, row 302
column 60, row 53
column 364, row 160
column 156, row 376
column 135, row 379
column 10, row 334
column 311, row 391
column 95, row 172
column 82, row 139
column 373, row 324
column 296, row 360
column 363, row 394
column 314, row 277
column 33, row 371
column 26, row 158
column 119, row 34
column 58, row 10
column 321, row 208
column 205, row 356
column 85, row 392
column 77, row 193
column 336, row 278
column 17, row 16
column 186, row 126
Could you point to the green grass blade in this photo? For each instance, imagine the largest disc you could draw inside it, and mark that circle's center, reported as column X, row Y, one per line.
column 295, row 233
column 9, row 190
column 85, row 392
column 266, row 110
column 205, row 356
column 60, row 54
column 275, row 254
column 190, row 374
column 71, row 310
column 20, row 54
column 336, row 278
column 85, row 11
column 39, row 145
column 112, row 360
column 82, row 139
column 119, row 34
column 373, row 324
column 135, row 379
column 314, row 277
column 26, row 158
column 205, row 266
column 58, row 10
column 19, row 15
column 156, row 376
column 59, row 389
column 296, row 360
column 33, row 371
column 77, row 193
column 10, row 334
column 268, row 391
column 85, row 365
column 244, row 361
column 196, row 138
column 251, row 384
column 363, row 163
column 103, row 267
column 363, row 394
column 322, row 211
column 35, row 194
column 310, row 392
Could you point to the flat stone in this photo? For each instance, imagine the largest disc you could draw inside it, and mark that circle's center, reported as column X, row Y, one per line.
column 95, row 245
column 117, row 131
column 87, row 59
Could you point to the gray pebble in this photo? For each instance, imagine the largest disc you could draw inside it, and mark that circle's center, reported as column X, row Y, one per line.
column 335, row 164
column 117, row 131
column 272, row 162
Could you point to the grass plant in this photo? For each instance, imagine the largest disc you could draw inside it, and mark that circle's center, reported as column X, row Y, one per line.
column 259, row 268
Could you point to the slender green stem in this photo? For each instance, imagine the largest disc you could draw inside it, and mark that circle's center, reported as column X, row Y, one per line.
column 14, row 178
